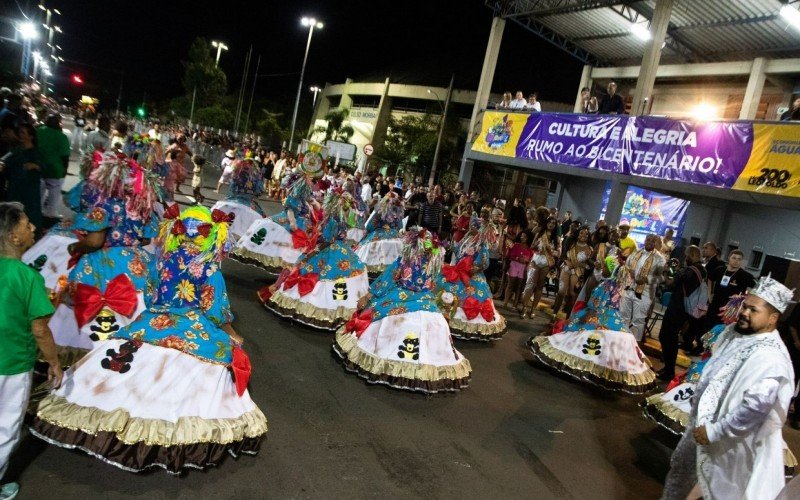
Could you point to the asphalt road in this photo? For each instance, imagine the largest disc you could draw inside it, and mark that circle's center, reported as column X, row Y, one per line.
column 518, row 431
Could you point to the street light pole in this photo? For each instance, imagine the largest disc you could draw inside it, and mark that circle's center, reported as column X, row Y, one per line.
column 311, row 23
column 441, row 132
column 220, row 47
column 316, row 90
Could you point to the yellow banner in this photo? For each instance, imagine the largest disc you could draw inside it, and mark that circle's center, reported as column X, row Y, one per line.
column 774, row 165
column 500, row 133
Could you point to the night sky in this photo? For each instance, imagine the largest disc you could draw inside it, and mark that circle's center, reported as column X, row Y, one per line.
column 410, row 40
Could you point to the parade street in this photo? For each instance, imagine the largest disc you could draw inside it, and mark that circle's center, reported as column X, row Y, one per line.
column 519, row 430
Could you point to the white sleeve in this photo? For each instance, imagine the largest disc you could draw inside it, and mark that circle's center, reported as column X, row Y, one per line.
column 756, row 404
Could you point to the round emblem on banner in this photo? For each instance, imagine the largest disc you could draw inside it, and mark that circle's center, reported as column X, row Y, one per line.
column 368, row 149
column 312, row 162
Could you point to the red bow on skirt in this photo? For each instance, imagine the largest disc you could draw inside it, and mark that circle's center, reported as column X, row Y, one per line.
column 305, row 282
column 473, row 307
column 359, row 322
column 120, row 297
column 461, row 271
column 301, row 239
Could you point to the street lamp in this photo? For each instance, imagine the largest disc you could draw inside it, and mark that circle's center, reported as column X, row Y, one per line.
column 316, row 90
column 27, row 32
column 220, row 47
column 311, row 23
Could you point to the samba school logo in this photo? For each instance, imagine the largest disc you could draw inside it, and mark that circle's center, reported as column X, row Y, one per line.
column 499, row 133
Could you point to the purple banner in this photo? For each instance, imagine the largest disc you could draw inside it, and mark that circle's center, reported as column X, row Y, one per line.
column 706, row 153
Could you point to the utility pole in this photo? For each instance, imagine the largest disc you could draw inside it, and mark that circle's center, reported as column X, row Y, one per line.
column 252, row 93
column 441, row 132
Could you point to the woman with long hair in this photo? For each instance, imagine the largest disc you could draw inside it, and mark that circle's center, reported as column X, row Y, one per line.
column 576, row 258
column 547, row 248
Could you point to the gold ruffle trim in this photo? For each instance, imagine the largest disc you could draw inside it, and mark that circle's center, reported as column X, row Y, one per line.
column 309, row 314
column 636, row 383
column 265, row 262
column 348, row 345
column 665, row 414
column 789, row 460
column 58, row 411
column 478, row 331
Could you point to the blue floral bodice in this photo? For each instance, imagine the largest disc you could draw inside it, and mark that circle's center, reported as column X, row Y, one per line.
column 124, row 229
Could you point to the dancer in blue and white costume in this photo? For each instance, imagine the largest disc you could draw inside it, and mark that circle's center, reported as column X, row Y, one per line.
column 170, row 389
column 399, row 336
column 246, row 186
column 324, row 287
column 383, row 242
column 276, row 243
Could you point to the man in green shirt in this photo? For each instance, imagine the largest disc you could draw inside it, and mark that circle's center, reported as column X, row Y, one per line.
column 25, row 311
column 54, row 150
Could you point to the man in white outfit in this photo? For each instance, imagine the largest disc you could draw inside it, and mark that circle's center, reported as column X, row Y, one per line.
column 733, row 447
column 644, row 269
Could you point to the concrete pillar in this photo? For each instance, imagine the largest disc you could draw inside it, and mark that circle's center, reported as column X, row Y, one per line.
column 382, row 122
column 715, row 226
column 586, row 81
column 484, row 88
column 615, row 202
column 347, row 101
column 465, row 175
column 652, row 56
column 755, row 86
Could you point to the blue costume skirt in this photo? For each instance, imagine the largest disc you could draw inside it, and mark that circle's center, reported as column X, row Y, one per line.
column 487, row 324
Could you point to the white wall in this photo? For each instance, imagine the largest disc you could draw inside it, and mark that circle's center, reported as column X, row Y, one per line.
column 583, row 197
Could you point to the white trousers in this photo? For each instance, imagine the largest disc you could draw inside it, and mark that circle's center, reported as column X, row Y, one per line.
column 634, row 311
column 51, row 197
column 14, row 393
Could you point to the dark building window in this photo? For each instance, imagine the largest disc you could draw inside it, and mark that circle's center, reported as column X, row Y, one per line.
column 334, row 101
column 366, row 101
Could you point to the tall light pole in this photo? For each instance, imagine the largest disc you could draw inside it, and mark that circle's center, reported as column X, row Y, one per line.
column 220, row 47
column 27, row 32
column 441, row 130
column 311, row 23
column 48, row 25
column 316, row 90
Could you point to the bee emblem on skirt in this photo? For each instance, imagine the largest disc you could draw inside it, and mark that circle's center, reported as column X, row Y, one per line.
column 340, row 290
column 409, row 349
column 105, row 324
column 592, row 346
column 258, row 236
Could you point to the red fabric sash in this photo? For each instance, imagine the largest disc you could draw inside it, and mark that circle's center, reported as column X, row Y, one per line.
column 120, row 297
column 473, row 307
column 241, row 367
column 461, row 271
column 359, row 322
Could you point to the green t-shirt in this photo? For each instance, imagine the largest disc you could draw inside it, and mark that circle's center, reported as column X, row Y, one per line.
column 53, row 145
column 23, row 298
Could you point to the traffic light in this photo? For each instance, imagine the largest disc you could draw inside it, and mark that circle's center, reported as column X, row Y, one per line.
column 140, row 112
column 77, row 79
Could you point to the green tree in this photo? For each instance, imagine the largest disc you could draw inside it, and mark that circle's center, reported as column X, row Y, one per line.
column 411, row 142
column 337, row 128
column 214, row 116
column 202, row 74
column 270, row 129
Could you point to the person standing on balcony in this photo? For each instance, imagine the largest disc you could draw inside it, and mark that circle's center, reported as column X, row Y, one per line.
column 519, row 102
column 611, row 103
column 533, row 104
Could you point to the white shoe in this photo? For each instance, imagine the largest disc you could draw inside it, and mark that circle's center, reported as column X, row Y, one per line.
column 9, row 491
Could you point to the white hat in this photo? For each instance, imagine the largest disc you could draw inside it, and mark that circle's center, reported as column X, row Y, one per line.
column 231, row 153
column 773, row 292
